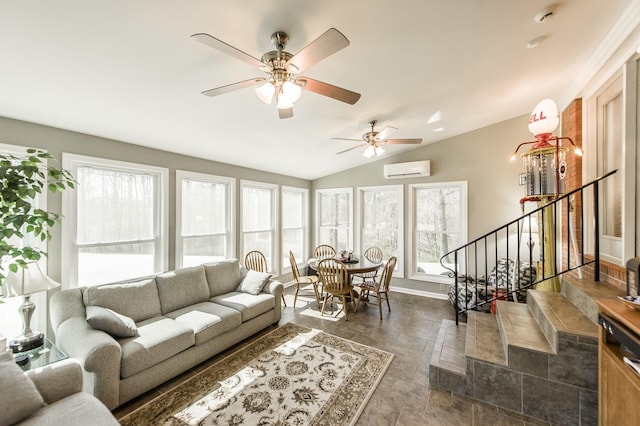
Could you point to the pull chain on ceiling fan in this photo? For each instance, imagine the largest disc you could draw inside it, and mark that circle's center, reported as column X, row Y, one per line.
column 281, row 68
column 374, row 139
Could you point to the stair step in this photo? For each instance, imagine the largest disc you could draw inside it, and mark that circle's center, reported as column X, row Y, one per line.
column 519, row 328
column 583, row 293
column 483, row 338
column 560, row 319
column 448, row 353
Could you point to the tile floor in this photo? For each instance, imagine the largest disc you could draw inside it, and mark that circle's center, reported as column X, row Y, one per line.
column 404, row 396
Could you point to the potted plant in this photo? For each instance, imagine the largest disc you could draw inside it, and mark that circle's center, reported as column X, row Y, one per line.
column 21, row 180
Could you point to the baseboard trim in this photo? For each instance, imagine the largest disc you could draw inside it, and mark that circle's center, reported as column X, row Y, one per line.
column 422, row 293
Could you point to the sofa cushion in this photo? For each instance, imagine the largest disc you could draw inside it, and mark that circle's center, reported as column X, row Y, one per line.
column 222, row 276
column 138, row 300
column 182, row 287
column 81, row 408
column 159, row 338
column 250, row 306
column 19, row 397
column 111, row 322
column 207, row 320
column 253, row 282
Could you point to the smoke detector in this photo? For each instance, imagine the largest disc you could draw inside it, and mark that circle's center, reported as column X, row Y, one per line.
column 545, row 14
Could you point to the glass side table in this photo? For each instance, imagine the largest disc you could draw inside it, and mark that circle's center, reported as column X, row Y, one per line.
column 43, row 355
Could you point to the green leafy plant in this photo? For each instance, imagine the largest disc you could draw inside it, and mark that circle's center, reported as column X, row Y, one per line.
column 21, row 180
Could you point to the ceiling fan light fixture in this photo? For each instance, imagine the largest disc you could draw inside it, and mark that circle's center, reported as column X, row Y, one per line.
column 369, row 152
column 265, row 92
column 291, row 91
column 379, row 151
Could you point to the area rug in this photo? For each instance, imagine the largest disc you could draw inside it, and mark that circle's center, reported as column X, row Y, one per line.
column 293, row 375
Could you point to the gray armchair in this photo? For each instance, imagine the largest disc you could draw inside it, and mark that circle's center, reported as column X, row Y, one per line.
column 49, row 395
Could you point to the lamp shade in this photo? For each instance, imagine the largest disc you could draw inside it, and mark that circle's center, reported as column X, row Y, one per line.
column 369, row 152
column 544, row 118
column 28, row 280
column 265, row 92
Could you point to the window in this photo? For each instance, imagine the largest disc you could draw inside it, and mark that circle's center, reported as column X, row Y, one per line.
column 438, row 225
column 11, row 323
column 115, row 224
column 295, row 231
column 381, row 218
column 259, row 223
column 334, row 213
column 204, row 218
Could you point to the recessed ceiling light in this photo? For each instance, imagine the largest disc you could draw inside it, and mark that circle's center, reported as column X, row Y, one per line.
column 535, row 42
column 437, row 116
column 439, row 129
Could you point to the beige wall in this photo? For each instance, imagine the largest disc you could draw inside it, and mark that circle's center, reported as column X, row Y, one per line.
column 480, row 157
column 57, row 141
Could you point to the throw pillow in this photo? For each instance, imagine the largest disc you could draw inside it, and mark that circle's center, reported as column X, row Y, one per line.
column 19, row 397
column 111, row 322
column 253, row 282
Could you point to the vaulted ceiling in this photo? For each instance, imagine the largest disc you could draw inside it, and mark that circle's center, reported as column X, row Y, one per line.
column 130, row 71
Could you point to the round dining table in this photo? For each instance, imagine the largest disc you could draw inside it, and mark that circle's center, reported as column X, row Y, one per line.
column 359, row 264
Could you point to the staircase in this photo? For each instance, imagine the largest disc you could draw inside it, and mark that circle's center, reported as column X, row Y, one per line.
column 538, row 358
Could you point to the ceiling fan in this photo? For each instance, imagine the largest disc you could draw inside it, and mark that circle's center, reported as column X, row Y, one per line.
column 281, row 68
column 375, row 139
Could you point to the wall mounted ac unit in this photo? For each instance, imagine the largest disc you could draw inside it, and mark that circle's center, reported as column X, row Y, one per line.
column 407, row 170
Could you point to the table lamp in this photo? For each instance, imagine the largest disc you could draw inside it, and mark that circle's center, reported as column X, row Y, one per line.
column 26, row 281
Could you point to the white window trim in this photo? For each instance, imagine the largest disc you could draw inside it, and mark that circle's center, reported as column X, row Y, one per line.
column 412, row 226
column 71, row 162
column 399, row 272
column 274, row 267
column 286, row 267
column 319, row 193
column 231, row 203
column 590, row 160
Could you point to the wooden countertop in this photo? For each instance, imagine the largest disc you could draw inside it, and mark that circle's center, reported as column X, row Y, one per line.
column 622, row 313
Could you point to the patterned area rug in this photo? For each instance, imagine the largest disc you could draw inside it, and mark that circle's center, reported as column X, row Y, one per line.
column 292, row 376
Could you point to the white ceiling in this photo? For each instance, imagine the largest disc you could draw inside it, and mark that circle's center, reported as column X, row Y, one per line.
column 130, row 71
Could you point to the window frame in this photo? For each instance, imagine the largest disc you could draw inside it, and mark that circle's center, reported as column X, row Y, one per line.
column 318, row 209
column 70, row 249
column 463, row 231
column 273, row 261
column 284, row 261
column 230, row 183
column 399, row 189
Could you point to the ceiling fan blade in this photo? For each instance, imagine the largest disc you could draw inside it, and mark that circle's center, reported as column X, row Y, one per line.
column 220, row 45
column 329, row 90
column 327, row 44
column 346, row 139
column 382, row 134
column 233, row 86
column 351, row 149
column 403, row 141
column 285, row 112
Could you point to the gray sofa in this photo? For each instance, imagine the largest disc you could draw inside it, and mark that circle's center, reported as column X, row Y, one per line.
column 49, row 395
column 132, row 336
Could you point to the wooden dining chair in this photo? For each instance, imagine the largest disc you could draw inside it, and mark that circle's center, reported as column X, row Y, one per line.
column 299, row 280
column 373, row 254
column 335, row 283
column 255, row 260
column 378, row 289
column 323, row 251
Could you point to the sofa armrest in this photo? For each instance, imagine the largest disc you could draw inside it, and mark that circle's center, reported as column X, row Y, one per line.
column 273, row 287
column 99, row 354
column 58, row 380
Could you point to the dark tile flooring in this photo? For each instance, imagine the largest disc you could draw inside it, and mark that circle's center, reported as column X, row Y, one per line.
column 404, row 396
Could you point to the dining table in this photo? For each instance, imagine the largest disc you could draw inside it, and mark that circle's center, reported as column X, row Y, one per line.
column 356, row 266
